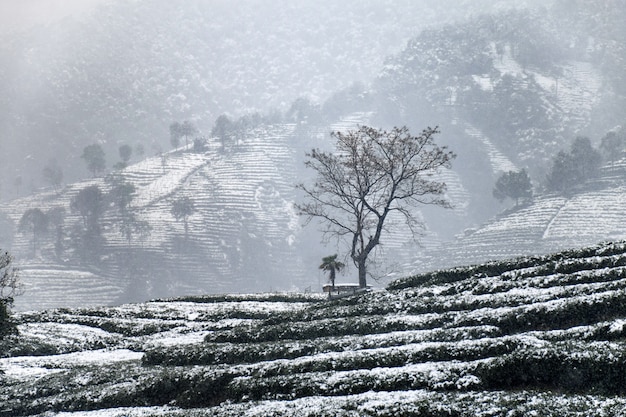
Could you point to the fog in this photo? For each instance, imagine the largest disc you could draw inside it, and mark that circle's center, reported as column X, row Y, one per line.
column 74, row 73
column 23, row 15
column 509, row 84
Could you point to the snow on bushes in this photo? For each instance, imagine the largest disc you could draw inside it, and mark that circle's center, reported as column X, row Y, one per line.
column 533, row 336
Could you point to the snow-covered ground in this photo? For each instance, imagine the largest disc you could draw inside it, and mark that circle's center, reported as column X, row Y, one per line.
column 533, row 336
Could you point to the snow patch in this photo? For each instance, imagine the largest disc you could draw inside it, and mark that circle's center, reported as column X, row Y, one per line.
column 37, row 366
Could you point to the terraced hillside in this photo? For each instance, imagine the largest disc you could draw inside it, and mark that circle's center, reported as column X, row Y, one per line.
column 591, row 214
column 242, row 228
column 538, row 336
column 244, row 234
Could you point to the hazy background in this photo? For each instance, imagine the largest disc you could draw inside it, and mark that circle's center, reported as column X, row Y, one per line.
column 510, row 84
column 21, row 15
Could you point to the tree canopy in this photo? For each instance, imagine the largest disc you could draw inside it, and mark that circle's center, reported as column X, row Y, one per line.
column 94, row 158
column 126, row 152
column 121, row 195
column 585, row 158
column 332, row 266
column 36, row 222
column 372, row 174
column 182, row 208
column 513, row 185
column 181, row 130
column 89, row 203
column 574, row 167
column 223, row 129
column 612, row 145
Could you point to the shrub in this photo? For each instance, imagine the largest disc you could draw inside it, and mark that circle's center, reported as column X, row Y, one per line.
column 9, row 287
column 598, row 368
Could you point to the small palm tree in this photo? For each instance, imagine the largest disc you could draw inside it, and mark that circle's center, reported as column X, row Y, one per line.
column 332, row 265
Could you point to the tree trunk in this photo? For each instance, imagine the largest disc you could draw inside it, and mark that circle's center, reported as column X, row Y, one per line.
column 362, row 274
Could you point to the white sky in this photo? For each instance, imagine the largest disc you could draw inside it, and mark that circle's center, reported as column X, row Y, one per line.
column 20, row 14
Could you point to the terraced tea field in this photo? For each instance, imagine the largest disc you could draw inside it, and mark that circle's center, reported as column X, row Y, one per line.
column 533, row 336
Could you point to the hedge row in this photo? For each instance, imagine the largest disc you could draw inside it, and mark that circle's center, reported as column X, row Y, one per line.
column 566, row 262
column 237, row 353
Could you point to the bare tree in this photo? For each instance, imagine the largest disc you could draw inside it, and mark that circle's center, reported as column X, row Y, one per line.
column 9, row 288
column 373, row 173
column 9, row 282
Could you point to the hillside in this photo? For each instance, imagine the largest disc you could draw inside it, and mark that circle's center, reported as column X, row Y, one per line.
column 507, row 89
column 126, row 71
column 244, row 234
column 527, row 336
column 590, row 214
column 242, row 228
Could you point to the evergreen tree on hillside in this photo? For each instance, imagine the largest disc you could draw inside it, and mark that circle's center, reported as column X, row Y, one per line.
column 199, row 145
column 121, row 195
column 175, row 134
column 178, row 130
column 129, row 225
column 17, row 182
column 223, row 129
column 94, row 158
column 87, row 238
column 612, row 146
column 125, row 151
column 562, row 175
column 36, row 222
column 574, row 167
column 182, row 208
column 56, row 215
column 585, row 158
column 89, row 203
column 187, row 129
column 513, row 185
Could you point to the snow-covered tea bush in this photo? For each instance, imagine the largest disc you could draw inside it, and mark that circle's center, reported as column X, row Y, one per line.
column 537, row 336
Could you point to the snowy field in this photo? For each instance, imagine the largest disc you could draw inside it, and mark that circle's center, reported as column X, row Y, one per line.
column 540, row 336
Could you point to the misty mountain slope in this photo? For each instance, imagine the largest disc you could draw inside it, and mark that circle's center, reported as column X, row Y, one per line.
column 245, row 226
column 513, row 76
column 498, row 160
column 124, row 73
column 572, row 85
column 592, row 213
column 239, row 214
column 507, row 91
column 244, row 232
column 52, row 281
column 541, row 335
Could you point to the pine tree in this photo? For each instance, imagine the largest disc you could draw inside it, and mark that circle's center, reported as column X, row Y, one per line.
column 513, row 185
